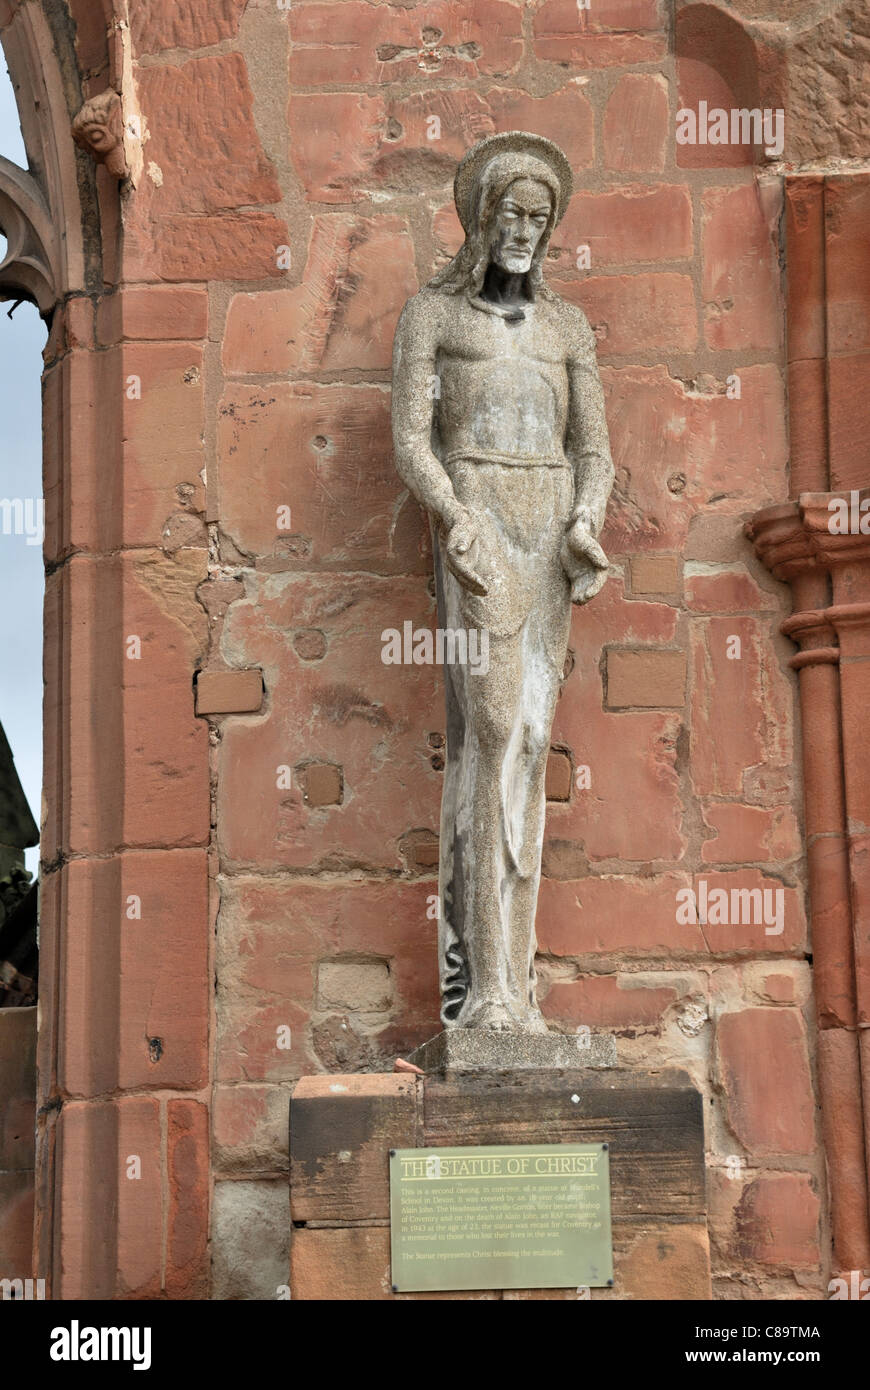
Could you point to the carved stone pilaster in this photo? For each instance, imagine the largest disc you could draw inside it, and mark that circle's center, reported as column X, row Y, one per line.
column 786, row 547
column 780, row 541
column 823, row 553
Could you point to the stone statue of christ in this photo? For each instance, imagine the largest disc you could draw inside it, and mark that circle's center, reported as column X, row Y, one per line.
column 499, row 431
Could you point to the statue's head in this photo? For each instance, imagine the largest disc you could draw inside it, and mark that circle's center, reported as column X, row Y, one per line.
column 511, row 190
column 521, row 217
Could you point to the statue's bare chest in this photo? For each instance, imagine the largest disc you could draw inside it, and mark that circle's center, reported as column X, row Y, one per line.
column 504, row 386
column 475, row 336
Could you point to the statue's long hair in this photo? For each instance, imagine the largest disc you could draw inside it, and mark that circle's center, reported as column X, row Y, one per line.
column 465, row 273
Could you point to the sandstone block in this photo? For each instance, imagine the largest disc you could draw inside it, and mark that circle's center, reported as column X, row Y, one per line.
column 251, row 1237
column 655, row 574
column 228, row 692
column 645, row 679
column 764, row 1068
column 187, row 1269
column 637, row 128
column 341, row 1131
column 637, row 313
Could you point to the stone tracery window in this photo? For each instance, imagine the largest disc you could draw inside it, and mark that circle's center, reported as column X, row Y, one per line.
column 25, row 220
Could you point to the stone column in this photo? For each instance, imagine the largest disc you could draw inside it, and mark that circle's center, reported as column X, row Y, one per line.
column 784, row 545
column 829, row 572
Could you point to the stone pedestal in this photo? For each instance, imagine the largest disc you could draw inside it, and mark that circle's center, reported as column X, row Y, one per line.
column 343, row 1127
column 479, row 1049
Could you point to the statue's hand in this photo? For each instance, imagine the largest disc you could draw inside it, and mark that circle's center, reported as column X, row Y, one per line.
column 461, row 549
column 585, row 586
column 581, row 542
column 583, row 560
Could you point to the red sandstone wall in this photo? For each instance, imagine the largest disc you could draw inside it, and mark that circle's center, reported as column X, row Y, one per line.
column 291, row 199
column 324, row 885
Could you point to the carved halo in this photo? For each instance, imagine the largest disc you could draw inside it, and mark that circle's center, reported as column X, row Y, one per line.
column 524, row 142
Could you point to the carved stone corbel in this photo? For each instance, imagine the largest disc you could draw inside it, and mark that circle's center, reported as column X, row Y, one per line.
column 98, row 128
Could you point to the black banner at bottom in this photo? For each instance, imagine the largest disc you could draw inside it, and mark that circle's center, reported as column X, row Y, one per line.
column 59, row 1340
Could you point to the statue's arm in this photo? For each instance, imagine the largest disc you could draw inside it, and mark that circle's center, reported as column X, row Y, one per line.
column 414, row 373
column 588, row 449
column 586, row 443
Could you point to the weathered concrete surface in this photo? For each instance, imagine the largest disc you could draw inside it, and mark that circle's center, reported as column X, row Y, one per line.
column 482, row 1049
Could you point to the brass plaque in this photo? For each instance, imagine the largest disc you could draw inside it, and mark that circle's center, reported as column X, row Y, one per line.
column 504, row 1216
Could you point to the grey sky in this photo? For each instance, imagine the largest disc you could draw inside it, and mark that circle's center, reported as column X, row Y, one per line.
column 21, row 572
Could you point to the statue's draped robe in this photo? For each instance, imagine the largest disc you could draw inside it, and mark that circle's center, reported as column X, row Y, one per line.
column 498, row 735
column 516, row 434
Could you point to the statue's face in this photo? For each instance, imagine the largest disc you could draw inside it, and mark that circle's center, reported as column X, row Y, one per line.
column 519, row 223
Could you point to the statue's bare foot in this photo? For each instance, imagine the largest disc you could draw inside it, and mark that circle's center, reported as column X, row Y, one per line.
column 488, row 1013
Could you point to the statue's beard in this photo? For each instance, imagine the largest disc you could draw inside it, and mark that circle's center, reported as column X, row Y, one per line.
column 511, row 260
column 514, row 262
column 466, row 272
